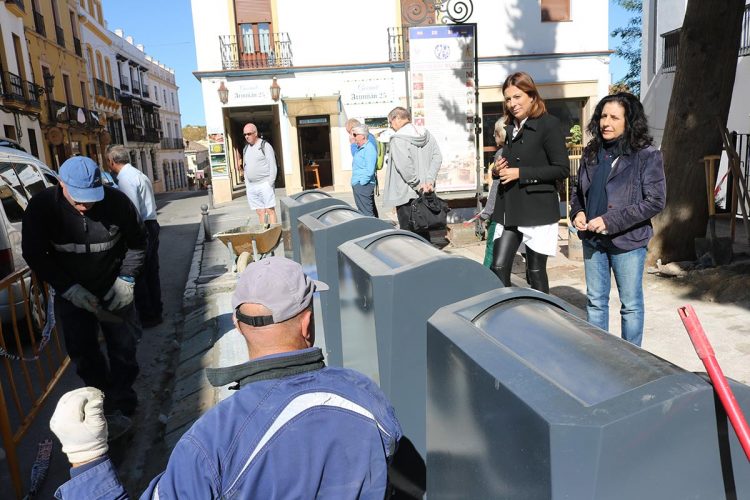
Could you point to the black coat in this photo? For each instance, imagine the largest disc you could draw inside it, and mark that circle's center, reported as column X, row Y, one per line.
column 539, row 152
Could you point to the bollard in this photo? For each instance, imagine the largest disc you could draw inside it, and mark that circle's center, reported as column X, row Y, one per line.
column 211, row 196
column 206, row 223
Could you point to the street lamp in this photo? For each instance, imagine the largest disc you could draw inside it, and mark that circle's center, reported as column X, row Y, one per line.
column 49, row 86
column 275, row 90
column 223, row 93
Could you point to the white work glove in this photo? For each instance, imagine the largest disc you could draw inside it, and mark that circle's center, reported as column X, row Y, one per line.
column 80, row 297
column 79, row 424
column 120, row 295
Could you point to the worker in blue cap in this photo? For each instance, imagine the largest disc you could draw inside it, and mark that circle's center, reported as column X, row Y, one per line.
column 87, row 241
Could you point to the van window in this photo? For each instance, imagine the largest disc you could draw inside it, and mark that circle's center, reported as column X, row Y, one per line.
column 9, row 176
column 30, row 177
column 12, row 201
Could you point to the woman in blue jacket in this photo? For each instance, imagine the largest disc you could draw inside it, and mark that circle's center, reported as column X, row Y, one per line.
column 620, row 188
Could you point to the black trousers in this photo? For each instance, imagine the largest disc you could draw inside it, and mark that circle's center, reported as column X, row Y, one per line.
column 113, row 375
column 147, row 284
column 504, row 250
column 403, row 213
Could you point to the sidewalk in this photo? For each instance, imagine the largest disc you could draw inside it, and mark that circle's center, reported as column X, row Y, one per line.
column 209, row 337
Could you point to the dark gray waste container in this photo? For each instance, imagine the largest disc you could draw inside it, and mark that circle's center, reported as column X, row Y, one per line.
column 527, row 401
column 390, row 283
column 320, row 234
column 292, row 207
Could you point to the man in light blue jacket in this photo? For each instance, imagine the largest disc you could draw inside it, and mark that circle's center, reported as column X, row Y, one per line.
column 364, row 161
column 294, row 429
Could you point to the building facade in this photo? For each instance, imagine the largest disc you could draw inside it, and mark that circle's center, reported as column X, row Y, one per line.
column 69, row 123
column 20, row 95
column 662, row 21
column 198, row 168
column 360, row 70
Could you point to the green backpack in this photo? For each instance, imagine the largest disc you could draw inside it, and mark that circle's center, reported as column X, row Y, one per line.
column 382, row 151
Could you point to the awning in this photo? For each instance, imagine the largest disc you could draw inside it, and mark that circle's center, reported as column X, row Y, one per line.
column 307, row 106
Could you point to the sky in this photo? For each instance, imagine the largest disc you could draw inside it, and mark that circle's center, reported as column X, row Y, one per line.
column 165, row 28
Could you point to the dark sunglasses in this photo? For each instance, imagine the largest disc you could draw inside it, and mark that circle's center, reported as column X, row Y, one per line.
column 251, row 133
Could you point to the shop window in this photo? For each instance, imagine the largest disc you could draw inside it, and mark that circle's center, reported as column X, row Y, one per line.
column 555, row 10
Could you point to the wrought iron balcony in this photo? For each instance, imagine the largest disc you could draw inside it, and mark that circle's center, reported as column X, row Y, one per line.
column 60, row 36
column 13, row 87
column 60, row 111
column 39, row 23
column 77, row 46
column 398, row 44
column 267, row 50
column 671, row 49
column 33, row 92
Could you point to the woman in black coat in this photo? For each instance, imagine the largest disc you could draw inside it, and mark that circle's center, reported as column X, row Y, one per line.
column 527, row 209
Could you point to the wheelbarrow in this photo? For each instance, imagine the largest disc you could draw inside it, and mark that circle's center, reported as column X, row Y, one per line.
column 249, row 243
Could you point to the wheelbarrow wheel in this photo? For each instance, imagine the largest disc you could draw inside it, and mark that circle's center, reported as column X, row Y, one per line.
column 243, row 260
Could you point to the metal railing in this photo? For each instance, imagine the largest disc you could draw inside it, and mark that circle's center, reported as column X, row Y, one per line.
column 172, row 143
column 257, row 51
column 14, row 87
column 27, row 382
column 124, row 83
column 398, row 44
column 39, row 24
column 33, row 92
column 745, row 37
column 60, row 34
column 77, row 46
column 671, row 48
column 61, row 112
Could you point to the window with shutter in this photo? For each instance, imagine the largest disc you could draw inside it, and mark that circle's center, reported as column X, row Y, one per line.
column 555, row 10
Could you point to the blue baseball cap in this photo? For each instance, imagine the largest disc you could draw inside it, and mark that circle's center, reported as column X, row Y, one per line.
column 83, row 179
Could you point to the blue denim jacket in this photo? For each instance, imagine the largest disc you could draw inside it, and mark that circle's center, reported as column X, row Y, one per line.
column 636, row 191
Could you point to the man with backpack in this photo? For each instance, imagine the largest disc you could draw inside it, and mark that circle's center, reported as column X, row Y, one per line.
column 259, row 162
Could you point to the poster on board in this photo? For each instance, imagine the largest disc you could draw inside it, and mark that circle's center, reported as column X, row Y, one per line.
column 217, row 155
column 442, row 98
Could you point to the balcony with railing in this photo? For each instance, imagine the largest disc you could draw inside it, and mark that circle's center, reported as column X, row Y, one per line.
column 39, row 23
column 172, row 143
column 671, row 48
column 77, row 46
column 99, row 88
column 258, row 51
column 33, row 92
column 60, row 34
column 745, row 39
column 124, row 83
column 13, row 87
column 398, row 44
column 110, row 92
column 17, row 92
column 60, row 111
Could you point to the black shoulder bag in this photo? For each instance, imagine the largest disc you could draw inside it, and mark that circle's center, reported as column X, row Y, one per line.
column 428, row 212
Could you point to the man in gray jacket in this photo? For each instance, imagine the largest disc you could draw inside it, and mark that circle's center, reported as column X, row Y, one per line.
column 415, row 160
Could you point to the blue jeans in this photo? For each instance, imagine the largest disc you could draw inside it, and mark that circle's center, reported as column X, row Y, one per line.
column 364, row 198
column 601, row 259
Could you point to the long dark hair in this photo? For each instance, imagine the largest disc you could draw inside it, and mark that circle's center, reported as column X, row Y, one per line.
column 635, row 137
column 524, row 82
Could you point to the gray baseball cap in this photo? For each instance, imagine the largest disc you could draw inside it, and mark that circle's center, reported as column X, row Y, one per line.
column 277, row 283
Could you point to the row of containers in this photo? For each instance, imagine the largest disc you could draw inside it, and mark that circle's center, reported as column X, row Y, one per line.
column 505, row 392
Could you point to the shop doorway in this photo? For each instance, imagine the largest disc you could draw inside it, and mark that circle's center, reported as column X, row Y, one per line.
column 315, row 151
column 266, row 120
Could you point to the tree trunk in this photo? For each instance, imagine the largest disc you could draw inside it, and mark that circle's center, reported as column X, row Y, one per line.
column 702, row 90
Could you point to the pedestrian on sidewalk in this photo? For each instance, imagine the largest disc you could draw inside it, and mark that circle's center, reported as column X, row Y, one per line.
column 486, row 214
column 620, row 188
column 415, row 160
column 259, row 163
column 363, row 171
column 293, row 429
column 137, row 186
column 527, row 208
column 88, row 242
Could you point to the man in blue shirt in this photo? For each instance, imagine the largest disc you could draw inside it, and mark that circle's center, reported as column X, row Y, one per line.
column 137, row 186
column 294, row 429
column 364, row 161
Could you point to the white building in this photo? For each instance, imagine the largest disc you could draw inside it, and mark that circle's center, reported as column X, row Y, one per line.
column 333, row 61
column 662, row 21
column 102, row 92
column 20, row 95
column 170, row 159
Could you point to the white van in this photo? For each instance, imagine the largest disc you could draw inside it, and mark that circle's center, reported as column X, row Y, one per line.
column 21, row 177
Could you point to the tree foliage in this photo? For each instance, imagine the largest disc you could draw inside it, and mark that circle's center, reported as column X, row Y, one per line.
column 630, row 45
